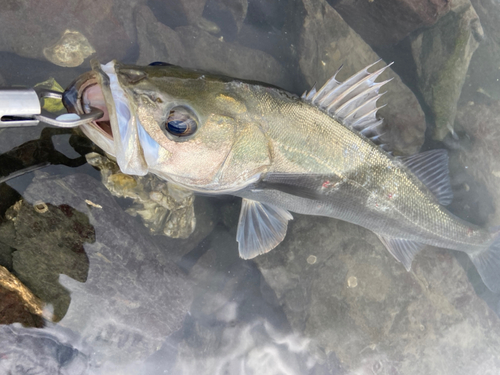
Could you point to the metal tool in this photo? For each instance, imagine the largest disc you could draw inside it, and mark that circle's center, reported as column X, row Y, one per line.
column 21, row 107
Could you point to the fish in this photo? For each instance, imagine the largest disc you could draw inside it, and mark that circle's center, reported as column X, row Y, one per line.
column 317, row 154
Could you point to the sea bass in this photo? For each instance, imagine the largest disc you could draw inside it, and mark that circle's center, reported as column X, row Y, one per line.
column 318, row 154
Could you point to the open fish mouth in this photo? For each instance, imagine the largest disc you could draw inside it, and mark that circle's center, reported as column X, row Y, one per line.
column 117, row 131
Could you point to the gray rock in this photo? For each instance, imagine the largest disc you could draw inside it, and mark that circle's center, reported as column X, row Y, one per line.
column 385, row 23
column 207, row 52
column 483, row 75
column 33, row 351
column 157, row 42
column 482, row 158
column 27, row 29
column 328, row 42
column 228, row 15
column 134, row 296
column 342, row 289
column 442, row 54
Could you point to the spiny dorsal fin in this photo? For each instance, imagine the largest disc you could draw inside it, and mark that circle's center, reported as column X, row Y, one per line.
column 431, row 167
column 353, row 102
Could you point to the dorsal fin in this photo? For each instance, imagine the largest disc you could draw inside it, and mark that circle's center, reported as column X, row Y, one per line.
column 353, row 102
column 431, row 167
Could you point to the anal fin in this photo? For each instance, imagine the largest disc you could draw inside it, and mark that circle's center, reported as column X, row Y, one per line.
column 403, row 250
column 261, row 228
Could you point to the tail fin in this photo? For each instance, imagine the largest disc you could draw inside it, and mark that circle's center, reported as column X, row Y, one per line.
column 487, row 263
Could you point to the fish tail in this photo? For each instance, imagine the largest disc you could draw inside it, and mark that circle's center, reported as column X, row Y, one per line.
column 487, row 262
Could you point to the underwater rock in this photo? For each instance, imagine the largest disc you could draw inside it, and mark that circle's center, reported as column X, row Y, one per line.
column 133, row 296
column 228, row 15
column 27, row 29
column 362, row 308
column 164, row 208
column 231, row 328
column 48, row 242
column 384, row 23
column 483, row 77
column 10, row 284
column 157, row 42
column 41, row 352
column 327, row 42
column 212, row 54
column 442, row 54
column 481, row 122
column 69, row 51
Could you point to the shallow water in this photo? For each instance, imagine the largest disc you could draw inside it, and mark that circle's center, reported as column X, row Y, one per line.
column 99, row 293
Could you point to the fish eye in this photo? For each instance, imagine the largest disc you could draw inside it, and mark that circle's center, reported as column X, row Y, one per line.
column 181, row 122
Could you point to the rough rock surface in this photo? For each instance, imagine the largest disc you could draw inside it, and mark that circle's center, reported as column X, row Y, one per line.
column 442, row 54
column 484, row 72
column 342, row 289
column 481, row 122
column 133, row 297
column 49, row 241
column 26, row 29
column 34, row 351
column 328, row 42
column 157, row 42
column 386, row 22
column 207, row 52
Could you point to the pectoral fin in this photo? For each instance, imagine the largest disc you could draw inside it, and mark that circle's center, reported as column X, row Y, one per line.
column 261, row 228
column 403, row 250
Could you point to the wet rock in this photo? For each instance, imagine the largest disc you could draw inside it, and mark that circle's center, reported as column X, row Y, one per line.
column 228, row 15
column 231, row 329
column 13, row 310
column 14, row 290
column 157, row 42
column 483, row 76
column 482, row 159
column 361, row 307
column 48, row 242
column 327, row 42
column 33, row 351
column 27, row 29
column 207, row 52
column 69, row 51
column 442, row 54
column 386, row 22
column 133, row 296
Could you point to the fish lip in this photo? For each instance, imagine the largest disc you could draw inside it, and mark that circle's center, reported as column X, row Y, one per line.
column 75, row 100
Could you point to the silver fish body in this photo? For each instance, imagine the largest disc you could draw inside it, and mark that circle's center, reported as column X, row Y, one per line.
column 315, row 155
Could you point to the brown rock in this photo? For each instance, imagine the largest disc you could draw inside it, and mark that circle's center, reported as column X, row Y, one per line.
column 386, row 22
column 327, row 42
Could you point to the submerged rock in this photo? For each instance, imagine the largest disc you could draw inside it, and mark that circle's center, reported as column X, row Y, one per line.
column 41, row 352
column 385, row 23
column 28, row 29
column 48, row 242
column 133, row 296
column 442, row 54
column 327, row 42
column 481, row 122
column 207, row 52
column 70, row 50
column 362, row 308
column 157, row 42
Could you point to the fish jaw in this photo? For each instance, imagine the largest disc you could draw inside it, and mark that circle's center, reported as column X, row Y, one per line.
column 227, row 153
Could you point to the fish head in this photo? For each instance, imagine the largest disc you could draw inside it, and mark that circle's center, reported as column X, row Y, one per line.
column 186, row 126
